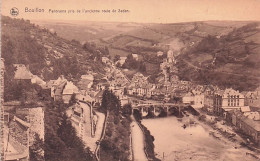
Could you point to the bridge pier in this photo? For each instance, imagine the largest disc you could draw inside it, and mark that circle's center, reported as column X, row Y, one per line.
column 158, row 107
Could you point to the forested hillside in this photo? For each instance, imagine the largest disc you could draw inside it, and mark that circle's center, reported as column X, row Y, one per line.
column 47, row 55
column 44, row 53
column 231, row 60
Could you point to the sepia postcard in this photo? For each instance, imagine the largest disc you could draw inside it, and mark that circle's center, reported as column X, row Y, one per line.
column 130, row 80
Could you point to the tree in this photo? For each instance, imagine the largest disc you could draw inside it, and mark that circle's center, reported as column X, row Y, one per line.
column 137, row 114
column 76, row 148
column 72, row 99
column 110, row 102
column 142, row 67
column 127, row 110
column 106, row 50
column 116, row 58
column 36, row 150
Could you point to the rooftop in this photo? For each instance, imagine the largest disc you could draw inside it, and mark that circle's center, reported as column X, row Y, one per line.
column 22, row 72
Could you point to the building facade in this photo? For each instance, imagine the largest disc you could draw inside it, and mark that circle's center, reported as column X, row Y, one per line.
column 227, row 100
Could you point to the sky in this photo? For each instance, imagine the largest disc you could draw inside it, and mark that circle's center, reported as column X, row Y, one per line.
column 146, row 11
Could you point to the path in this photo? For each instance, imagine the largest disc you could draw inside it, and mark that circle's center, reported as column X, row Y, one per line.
column 138, row 141
column 88, row 139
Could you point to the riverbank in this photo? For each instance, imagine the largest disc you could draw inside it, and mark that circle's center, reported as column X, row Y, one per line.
column 227, row 134
column 148, row 146
column 138, row 141
column 174, row 141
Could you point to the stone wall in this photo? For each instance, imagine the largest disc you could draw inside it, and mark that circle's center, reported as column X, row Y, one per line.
column 35, row 116
column 36, row 119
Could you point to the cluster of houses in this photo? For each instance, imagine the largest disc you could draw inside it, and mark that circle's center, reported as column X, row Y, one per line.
column 240, row 108
column 141, row 87
column 235, row 107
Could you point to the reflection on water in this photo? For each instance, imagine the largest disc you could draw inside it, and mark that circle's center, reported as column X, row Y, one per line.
column 175, row 142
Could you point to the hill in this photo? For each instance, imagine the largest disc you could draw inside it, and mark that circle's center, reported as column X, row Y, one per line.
column 46, row 54
column 224, row 53
column 230, row 60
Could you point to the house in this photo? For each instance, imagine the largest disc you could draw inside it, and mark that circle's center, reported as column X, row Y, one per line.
column 208, row 98
column 10, row 105
column 105, row 59
column 37, row 80
column 81, row 117
column 159, row 53
column 102, row 85
column 252, row 98
column 98, row 97
column 227, row 100
column 58, row 90
column 174, row 78
column 194, row 98
column 188, row 98
column 170, row 57
column 250, row 127
column 244, row 123
column 22, row 72
column 135, row 57
column 84, row 96
column 245, row 109
column 86, row 82
column 130, row 91
column 68, row 91
column 88, row 77
column 208, row 102
column 253, row 115
column 121, row 60
column 139, row 77
column 56, row 84
column 198, row 99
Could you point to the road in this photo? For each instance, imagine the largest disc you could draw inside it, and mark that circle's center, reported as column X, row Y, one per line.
column 137, row 141
column 88, row 139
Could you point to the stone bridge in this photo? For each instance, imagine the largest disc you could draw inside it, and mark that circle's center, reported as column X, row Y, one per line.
column 157, row 109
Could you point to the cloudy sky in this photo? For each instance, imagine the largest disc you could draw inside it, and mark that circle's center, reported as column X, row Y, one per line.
column 158, row 11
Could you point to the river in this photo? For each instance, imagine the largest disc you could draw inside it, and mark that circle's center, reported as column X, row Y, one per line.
column 173, row 142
